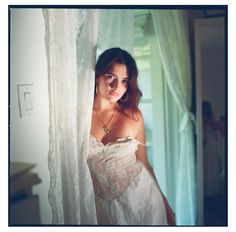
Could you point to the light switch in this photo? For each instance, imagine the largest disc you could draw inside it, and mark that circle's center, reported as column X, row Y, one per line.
column 28, row 101
column 25, row 97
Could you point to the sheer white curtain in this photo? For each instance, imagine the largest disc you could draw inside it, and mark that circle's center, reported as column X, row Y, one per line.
column 116, row 29
column 71, row 36
column 172, row 38
column 71, row 40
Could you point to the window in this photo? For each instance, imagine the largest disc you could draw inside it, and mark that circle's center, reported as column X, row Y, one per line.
column 151, row 84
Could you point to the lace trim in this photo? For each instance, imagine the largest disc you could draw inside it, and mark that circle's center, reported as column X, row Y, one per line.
column 71, row 30
column 113, row 166
column 124, row 139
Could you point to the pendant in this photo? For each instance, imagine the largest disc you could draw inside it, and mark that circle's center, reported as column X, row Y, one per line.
column 106, row 129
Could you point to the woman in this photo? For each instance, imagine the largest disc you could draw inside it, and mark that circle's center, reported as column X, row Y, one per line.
column 126, row 191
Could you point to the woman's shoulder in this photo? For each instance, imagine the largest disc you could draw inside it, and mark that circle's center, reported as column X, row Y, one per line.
column 129, row 123
column 134, row 120
column 134, row 116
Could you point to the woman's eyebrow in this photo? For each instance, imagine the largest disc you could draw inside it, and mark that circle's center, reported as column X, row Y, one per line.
column 117, row 76
column 110, row 73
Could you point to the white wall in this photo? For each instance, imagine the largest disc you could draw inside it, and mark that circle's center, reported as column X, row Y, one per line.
column 29, row 140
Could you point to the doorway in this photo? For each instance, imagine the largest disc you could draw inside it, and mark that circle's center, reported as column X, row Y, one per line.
column 210, row 56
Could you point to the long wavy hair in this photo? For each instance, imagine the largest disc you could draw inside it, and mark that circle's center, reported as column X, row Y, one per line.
column 130, row 100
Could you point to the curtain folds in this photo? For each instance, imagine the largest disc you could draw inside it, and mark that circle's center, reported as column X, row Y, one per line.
column 116, row 29
column 71, row 36
column 71, row 44
column 173, row 41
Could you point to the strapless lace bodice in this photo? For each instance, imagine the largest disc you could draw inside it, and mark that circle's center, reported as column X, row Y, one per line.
column 113, row 166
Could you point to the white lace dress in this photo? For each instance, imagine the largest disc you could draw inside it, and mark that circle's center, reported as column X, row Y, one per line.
column 125, row 192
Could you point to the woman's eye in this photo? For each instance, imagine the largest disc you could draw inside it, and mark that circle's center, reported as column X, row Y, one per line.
column 109, row 77
column 126, row 82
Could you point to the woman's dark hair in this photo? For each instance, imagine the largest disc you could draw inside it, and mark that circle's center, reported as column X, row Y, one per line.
column 105, row 63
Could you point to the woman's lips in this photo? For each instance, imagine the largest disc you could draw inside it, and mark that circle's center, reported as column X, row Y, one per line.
column 115, row 94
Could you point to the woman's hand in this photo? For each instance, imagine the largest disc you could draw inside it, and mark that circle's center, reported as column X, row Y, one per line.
column 169, row 212
column 170, row 216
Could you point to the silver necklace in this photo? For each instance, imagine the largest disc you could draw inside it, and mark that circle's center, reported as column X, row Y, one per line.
column 106, row 125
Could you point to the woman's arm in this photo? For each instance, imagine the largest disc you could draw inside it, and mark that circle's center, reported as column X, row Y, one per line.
column 141, row 155
column 169, row 212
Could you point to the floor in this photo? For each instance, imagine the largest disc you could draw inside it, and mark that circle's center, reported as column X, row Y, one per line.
column 215, row 211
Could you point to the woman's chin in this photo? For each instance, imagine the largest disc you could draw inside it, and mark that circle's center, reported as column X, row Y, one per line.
column 113, row 98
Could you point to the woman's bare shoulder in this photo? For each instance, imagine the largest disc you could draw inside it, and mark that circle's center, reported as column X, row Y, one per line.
column 127, row 124
column 134, row 121
column 135, row 116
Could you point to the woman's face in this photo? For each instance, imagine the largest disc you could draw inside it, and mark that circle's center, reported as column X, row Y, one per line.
column 113, row 84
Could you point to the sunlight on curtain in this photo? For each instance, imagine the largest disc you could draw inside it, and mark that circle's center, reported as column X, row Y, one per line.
column 172, row 38
column 71, row 40
column 71, row 37
column 116, row 29
column 150, row 80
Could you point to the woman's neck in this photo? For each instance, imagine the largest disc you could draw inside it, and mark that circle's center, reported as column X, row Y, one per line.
column 101, row 104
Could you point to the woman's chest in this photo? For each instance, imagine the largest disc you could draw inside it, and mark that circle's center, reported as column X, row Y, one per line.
column 120, row 128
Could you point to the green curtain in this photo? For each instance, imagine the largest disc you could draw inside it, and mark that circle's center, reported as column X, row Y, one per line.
column 171, row 32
